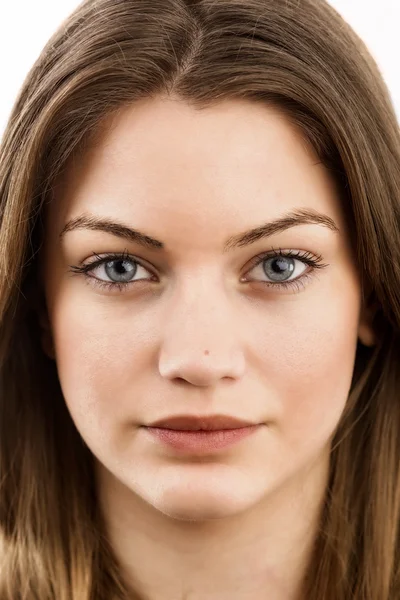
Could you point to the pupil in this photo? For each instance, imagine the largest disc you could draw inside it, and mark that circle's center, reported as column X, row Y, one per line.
column 120, row 266
column 280, row 265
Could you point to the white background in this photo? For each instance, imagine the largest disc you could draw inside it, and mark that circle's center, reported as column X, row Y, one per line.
column 26, row 25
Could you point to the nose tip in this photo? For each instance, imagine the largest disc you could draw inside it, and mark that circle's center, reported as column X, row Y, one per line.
column 203, row 369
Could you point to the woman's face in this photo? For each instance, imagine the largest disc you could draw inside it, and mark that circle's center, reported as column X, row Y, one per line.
column 194, row 325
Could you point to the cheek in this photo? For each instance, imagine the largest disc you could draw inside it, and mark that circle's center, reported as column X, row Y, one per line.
column 309, row 367
column 102, row 353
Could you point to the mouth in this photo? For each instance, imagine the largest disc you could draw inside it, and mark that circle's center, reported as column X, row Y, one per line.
column 199, row 441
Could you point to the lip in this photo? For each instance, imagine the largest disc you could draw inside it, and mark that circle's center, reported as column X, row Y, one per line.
column 200, row 442
column 201, row 423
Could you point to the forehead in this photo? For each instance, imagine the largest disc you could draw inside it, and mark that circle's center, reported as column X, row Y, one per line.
column 233, row 163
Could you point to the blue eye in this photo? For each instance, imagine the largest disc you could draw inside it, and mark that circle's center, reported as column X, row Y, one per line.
column 112, row 271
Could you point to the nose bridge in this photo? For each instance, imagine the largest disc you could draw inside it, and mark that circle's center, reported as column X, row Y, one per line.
column 201, row 341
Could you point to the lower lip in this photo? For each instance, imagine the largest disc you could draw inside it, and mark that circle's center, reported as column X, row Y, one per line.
column 201, row 441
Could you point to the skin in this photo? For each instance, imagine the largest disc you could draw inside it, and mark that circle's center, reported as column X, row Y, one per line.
column 190, row 337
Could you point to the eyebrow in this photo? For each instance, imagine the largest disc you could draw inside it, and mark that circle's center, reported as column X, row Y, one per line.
column 292, row 219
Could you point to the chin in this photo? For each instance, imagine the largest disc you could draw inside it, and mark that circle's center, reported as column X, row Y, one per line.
column 205, row 509
column 201, row 500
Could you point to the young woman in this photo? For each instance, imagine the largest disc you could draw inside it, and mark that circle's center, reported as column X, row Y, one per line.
column 200, row 309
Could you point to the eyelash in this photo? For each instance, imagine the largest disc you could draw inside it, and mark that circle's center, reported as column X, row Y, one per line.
column 311, row 260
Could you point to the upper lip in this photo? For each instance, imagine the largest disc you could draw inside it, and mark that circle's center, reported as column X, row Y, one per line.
column 205, row 423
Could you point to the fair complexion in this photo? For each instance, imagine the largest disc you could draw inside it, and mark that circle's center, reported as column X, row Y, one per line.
column 200, row 329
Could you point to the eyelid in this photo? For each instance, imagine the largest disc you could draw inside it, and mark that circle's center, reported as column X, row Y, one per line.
column 109, row 257
column 306, row 257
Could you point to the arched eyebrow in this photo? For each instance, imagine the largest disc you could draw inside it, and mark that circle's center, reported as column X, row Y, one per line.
column 292, row 219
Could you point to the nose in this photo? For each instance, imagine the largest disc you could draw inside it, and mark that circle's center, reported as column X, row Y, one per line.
column 201, row 342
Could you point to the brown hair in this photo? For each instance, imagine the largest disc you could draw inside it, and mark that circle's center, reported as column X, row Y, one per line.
column 302, row 57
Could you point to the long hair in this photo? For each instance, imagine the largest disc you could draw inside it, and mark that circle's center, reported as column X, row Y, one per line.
column 300, row 56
